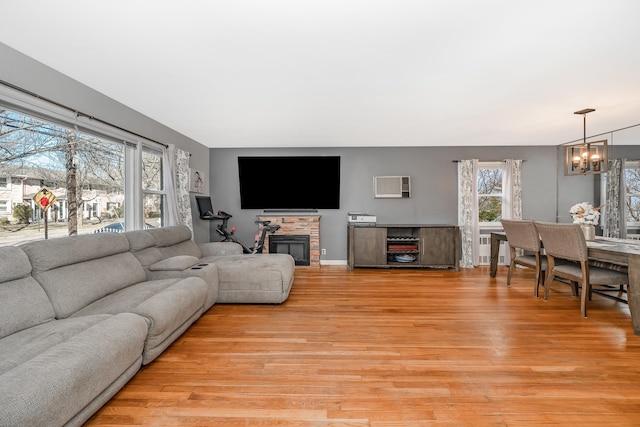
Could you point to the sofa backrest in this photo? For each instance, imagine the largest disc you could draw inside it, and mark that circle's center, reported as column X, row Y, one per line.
column 23, row 302
column 76, row 271
column 175, row 240
column 143, row 246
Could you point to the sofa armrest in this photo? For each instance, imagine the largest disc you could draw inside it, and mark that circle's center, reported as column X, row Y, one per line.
column 220, row 249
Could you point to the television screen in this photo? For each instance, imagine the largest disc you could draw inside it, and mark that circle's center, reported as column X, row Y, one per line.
column 289, row 183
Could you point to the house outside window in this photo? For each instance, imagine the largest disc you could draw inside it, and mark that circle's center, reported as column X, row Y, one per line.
column 42, row 152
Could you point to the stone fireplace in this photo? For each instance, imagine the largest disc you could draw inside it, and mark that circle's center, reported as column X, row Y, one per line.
column 296, row 224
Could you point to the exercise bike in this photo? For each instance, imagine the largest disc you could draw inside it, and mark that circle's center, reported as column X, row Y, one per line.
column 229, row 235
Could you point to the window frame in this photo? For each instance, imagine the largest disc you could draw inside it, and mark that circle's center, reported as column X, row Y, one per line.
column 628, row 164
column 41, row 109
column 492, row 225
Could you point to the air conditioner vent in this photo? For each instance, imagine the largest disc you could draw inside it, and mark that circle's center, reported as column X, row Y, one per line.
column 391, row 187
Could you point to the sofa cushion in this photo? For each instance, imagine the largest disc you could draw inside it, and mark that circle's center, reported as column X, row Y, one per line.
column 76, row 271
column 169, row 307
column 180, row 262
column 23, row 346
column 260, row 278
column 175, row 240
column 15, row 264
column 181, row 258
column 167, row 236
column 23, row 302
column 143, row 246
column 139, row 240
column 48, row 254
column 57, row 384
column 206, row 271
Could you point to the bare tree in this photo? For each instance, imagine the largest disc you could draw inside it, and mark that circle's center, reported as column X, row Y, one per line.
column 55, row 151
column 633, row 194
column 70, row 166
column 490, row 194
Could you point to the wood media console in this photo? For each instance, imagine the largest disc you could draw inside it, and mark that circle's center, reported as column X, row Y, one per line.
column 402, row 246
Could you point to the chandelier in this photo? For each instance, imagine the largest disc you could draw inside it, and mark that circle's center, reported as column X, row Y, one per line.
column 586, row 157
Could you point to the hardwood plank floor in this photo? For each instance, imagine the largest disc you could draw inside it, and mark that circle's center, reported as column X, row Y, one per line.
column 395, row 348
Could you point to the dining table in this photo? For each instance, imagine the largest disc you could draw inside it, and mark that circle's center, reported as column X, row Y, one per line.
column 608, row 251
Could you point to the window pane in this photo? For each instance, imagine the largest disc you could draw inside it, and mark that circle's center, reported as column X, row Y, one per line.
column 153, row 204
column 633, row 209
column 489, row 208
column 151, row 170
column 489, row 181
column 73, row 165
column 632, row 177
column 489, row 194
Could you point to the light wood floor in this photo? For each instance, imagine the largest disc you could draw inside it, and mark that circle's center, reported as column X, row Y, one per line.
column 395, row 348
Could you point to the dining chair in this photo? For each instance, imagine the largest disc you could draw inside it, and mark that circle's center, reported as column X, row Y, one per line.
column 566, row 242
column 522, row 235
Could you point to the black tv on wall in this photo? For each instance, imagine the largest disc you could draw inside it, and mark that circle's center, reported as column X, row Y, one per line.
column 289, row 183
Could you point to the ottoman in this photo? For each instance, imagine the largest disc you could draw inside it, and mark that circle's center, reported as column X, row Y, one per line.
column 259, row 278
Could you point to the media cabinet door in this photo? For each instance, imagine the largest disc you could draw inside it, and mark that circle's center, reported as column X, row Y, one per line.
column 370, row 246
column 438, row 246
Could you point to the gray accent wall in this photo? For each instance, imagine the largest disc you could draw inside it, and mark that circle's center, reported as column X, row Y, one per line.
column 433, row 173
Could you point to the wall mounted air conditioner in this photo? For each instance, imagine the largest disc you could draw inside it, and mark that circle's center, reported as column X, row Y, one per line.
column 391, row 187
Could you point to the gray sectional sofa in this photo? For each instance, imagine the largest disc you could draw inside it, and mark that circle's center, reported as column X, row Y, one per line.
column 80, row 315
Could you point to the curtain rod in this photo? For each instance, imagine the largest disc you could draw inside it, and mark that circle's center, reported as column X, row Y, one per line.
column 600, row 134
column 79, row 113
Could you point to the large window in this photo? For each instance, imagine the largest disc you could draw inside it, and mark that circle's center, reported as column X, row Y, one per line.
column 632, row 194
column 89, row 175
column 632, row 179
column 152, row 188
column 490, row 194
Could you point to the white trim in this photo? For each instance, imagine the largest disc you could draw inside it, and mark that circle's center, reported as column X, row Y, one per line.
column 334, row 262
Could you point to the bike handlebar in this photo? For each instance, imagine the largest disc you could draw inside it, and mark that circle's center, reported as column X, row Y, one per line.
column 223, row 215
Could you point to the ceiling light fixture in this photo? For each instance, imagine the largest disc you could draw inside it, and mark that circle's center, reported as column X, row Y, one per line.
column 586, row 157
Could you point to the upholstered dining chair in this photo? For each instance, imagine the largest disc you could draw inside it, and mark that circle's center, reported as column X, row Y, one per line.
column 522, row 234
column 567, row 242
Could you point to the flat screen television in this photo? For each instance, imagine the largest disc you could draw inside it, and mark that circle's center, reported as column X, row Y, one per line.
column 289, row 183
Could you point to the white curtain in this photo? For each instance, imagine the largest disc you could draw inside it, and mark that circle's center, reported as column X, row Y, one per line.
column 512, row 193
column 468, row 211
column 176, row 184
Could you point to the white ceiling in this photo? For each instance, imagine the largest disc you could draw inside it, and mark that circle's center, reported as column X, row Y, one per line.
column 331, row 73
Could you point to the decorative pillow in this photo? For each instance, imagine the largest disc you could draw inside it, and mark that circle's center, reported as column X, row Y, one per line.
column 180, row 262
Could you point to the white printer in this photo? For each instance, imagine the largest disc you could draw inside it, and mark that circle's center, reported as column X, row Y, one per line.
column 361, row 218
